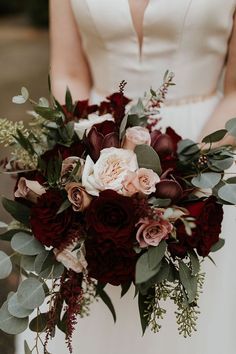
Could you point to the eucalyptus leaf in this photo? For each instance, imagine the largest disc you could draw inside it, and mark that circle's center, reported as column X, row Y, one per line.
column 148, row 158
column 218, row 245
column 26, row 244
column 7, row 236
column 214, row 137
column 187, row 147
column 231, row 127
column 18, row 211
column 43, row 102
column 25, row 93
column 156, row 254
column 221, row 164
column 228, row 193
column 188, row 281
column 10, row 324
column 206, row 180
column 143, row 272
column 30, row 293
column 15, row 308
column 5, row 265
column 27, row 263
column 42, row 261
column 39, row 323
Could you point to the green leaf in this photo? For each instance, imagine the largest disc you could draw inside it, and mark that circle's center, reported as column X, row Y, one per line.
column 143, row 271
column 214, row 137
column 195, row 264
column 228, row 193
column 7, row 236
column 39, row 323
column 21, row 99
column 231, row 127
column 18, row 211
column 10, row 324
column 49, row 113
column 26, row 244
column 24, row 142
column 30, row 293
column 125, row 288
column 123, row 125
column 162, row 274
column 206, row 180
column 156, row 254
column 142, row 305
column 218, row 245
column 148, row 158
column 65, row 205
column 26, row 348
column 221, row 164
column 106, row 299
column 27, row 263
column 16, row 309
column 69, row 101
column 5, row 265
column 188, row 281
column 187, row 147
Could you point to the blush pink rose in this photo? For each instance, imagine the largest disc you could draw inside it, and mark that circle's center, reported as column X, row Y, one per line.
column 136, row 136
column 143, row 181
column 30, row 190
column 152, row 232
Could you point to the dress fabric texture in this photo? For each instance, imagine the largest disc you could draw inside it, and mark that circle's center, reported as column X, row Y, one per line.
column 190, row 38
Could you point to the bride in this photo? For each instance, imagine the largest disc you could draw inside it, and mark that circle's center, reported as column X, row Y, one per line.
column 95, row 44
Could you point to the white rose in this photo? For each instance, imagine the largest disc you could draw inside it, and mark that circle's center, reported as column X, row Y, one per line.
column 85, row 124
column 109, row 171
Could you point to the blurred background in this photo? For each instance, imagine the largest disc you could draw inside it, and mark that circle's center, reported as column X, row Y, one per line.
column 23, row 62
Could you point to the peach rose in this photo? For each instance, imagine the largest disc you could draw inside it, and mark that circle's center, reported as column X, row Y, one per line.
column 152, row 232
column 143, row 180
column 30, row 190
column 74, row 260
column 136, row 136
column 76, row 194
column 68, row 166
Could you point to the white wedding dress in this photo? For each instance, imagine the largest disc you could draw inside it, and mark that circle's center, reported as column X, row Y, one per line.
column 190, row 38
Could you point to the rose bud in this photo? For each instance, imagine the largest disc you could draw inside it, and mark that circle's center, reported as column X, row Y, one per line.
column 136, row 136
column 78, row 197
column 162, row 143
column 169, row 189
column 151, row 232
column 101, row 136
column 30, row 190
column 69, row 258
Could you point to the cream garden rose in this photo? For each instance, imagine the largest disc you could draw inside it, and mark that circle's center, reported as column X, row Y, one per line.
column 85, row 124
column 136, row 136
column 109, row 171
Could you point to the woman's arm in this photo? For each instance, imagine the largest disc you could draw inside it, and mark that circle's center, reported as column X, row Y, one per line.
column 227, row 106
column 68, row 64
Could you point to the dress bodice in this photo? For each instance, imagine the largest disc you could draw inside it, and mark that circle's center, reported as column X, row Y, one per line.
column 188, row 37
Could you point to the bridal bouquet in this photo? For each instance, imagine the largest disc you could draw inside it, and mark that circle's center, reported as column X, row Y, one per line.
column 104, row 196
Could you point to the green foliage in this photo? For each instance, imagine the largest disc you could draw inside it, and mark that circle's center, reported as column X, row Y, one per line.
column 16, row 309
column 148, row 158
column 30, row 293
column 206, row 180
column 18, row 211
column 39, row 323
column 107, row 301
column 214, row 137
column 188, row 280
column 11, row 324
column 26, row 244
column 5, row 265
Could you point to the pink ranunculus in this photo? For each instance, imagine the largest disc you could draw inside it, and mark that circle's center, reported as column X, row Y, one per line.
column 136, row 136
column 30, row 190
column 152, row 232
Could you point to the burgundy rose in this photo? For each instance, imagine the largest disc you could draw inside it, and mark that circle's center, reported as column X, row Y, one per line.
column 83, row 109
column 207, row 231
column 50, row 228
column 109, row 264
column 166, row 147
column 111, row 217
column 118, row 103
column 101, row 136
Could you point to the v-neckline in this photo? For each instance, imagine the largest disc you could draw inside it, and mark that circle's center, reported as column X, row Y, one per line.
column 139, row 41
